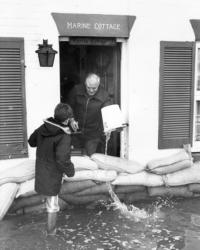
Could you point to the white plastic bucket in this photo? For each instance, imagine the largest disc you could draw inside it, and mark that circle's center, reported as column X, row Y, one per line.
column 112, row 118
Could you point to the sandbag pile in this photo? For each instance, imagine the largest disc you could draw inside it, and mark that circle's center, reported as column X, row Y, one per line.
column 173, row 176
column 181, row 177
column 10, row 180
column 170, row 164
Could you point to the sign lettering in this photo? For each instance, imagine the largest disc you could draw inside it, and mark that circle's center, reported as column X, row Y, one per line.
column 93, row 25
column 96, row 26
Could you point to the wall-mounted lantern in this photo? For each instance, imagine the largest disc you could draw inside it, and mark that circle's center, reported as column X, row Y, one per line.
column 46, row 54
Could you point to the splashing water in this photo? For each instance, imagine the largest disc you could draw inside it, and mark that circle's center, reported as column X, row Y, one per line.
column 108, row 134
column 129, row 211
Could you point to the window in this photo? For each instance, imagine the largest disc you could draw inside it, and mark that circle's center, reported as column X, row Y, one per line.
column 176, row 95
column 196, row 127
column 13, row 137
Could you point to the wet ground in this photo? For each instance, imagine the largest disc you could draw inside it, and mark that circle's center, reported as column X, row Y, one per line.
column 171, row 225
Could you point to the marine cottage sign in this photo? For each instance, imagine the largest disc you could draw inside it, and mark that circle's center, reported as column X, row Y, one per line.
column 91, row 25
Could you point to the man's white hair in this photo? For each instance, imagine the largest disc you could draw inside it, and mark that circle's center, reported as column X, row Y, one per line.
column 93, row 77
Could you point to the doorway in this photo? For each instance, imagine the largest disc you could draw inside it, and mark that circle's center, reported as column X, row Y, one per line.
column 78, row 58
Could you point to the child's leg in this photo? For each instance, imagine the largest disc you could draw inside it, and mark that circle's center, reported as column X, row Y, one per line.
column 52, row 209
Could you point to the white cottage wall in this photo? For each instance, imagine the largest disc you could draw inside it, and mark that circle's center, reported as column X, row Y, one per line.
column 156, row 20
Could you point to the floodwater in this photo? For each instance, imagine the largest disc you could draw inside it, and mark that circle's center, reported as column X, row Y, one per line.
column 170, row 224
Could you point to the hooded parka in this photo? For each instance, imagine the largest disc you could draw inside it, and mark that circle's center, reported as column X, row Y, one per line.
column 52, row 157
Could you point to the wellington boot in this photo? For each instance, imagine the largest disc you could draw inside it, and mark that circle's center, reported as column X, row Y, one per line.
column 51, row 223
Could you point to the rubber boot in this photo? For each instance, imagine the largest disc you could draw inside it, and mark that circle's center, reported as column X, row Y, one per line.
column 51, row 223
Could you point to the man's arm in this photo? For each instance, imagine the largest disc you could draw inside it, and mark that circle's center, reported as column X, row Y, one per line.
column 107, row 101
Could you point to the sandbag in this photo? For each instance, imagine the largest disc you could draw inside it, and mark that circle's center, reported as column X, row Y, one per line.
column 84, row 199
column 26, row 188
column 183, row 177
column 160, row 162
column 27, row 201
column 75, row 186
column 194, row 187
column 173, row 167
column 40, row 208
column 179, row 191
column 98, row 175
column 97, row 189
column 143, row 178
column 83, row 163
column 129, row 188
column 120, row 165
column 136, row 196
column 7, row 195
column 19, row 173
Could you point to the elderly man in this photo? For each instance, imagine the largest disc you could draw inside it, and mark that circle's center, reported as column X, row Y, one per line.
column 87, row 101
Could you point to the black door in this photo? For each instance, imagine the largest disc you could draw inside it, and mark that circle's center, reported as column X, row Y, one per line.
column 77, row 60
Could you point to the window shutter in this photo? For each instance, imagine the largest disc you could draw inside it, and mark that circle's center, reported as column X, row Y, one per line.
column 176, row 94
column 13, row 137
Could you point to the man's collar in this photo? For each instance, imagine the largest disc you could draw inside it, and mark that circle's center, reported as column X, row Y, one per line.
column 98, row 95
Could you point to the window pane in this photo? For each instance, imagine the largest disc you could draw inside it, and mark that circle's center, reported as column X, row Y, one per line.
column 198, row 122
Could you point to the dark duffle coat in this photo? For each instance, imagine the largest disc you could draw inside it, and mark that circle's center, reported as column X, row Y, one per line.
column 87, row 110
column 52, row 157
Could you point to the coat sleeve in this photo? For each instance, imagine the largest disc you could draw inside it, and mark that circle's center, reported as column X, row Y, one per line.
column 63, row 156
column 107, row 101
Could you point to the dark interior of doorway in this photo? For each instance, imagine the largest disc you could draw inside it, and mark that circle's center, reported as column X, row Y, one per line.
column 76, row 61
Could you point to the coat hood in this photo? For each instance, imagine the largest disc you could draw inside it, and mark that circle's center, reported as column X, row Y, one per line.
column 51, row 128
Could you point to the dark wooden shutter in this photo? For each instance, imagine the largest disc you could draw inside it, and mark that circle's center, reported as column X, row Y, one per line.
column 176, row 94
column 13, row 137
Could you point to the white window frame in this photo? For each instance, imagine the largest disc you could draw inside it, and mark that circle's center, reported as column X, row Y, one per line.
column 196, row 144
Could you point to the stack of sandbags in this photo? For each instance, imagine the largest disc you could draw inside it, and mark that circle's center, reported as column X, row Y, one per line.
column 95, row 179
column 10, row 180
column 182, row 183
column 170, row 164
column 184, row 177
column 83, row 191
column 85, row 187
column 167, row 167
column 32, row 204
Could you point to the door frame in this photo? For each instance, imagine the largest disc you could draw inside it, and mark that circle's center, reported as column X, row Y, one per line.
column 117, row 89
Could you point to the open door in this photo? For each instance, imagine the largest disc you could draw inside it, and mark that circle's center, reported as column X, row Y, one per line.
column 77, row 59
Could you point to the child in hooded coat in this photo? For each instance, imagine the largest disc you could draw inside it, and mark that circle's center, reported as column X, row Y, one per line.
column 53, row 142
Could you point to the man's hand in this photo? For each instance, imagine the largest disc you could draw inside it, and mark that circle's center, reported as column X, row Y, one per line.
column 74, row 124
column 66, row 130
